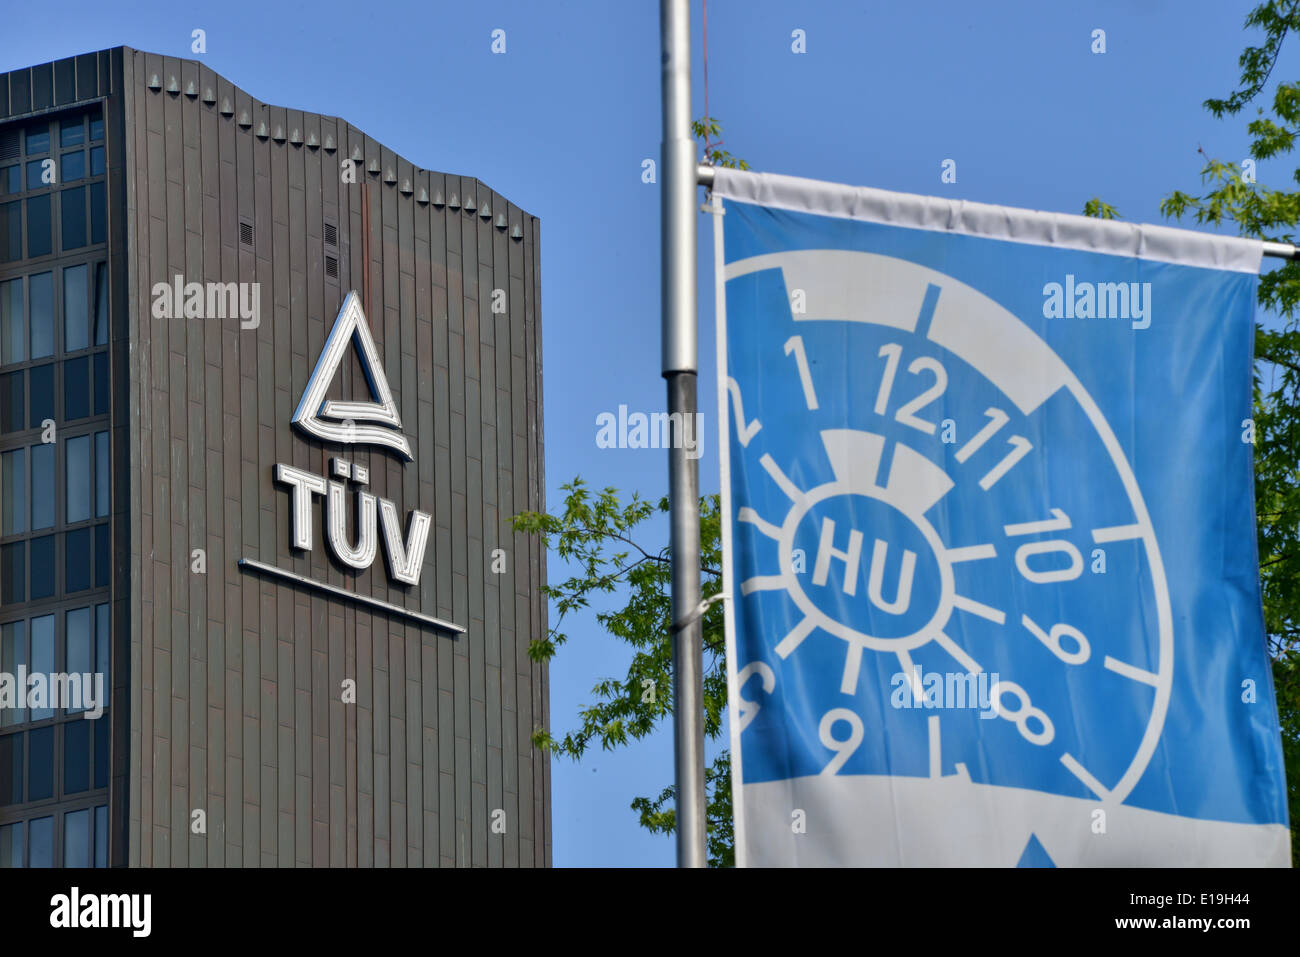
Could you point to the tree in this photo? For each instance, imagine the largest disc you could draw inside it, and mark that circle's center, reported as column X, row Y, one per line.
column 595, row 531
column 1233, row 197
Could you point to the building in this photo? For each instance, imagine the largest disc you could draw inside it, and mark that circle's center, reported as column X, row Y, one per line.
column 243, row 350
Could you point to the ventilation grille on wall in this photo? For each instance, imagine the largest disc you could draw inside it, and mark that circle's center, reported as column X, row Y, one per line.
column 331, row 251
column 9, row 148
column 246, row 233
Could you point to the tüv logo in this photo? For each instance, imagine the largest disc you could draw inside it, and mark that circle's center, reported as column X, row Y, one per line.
column 1102, row 300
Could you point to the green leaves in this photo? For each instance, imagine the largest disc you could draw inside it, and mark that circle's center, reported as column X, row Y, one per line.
column 1269, row 214
column 1099, row 210
column 705, row 128
column 610, row 543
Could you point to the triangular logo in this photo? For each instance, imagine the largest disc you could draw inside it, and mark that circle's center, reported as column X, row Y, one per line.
column 371, row 423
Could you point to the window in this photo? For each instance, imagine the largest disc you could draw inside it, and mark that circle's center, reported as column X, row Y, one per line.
column 42, row 570
column 40, row 173
column 42, row 841
column 74, row 217
column 76, row 389
column 42, row 487
column 13, row 492
column 11, row 844
column 72, row 132
column 38, row 139
column 55, row 487
column 12, row 402
column 42, row 395
column 13, row 322
column 98, row 213
column 76, row 838
column 39, row 241
column 101, row 304
column 13, row 573
column 101, row 475
column 41, row 289
column 72, row 167
column 76, row 307
column 11, row 231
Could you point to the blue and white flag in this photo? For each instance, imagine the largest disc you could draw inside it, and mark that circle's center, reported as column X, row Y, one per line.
column 989, row 536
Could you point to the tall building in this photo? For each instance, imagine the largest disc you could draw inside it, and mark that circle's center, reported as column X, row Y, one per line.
column 269, row 397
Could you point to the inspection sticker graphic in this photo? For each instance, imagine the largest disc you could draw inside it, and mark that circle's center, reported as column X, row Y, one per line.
column 989, row 536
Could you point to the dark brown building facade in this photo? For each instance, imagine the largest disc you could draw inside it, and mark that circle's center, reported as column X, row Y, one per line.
column 181, row 512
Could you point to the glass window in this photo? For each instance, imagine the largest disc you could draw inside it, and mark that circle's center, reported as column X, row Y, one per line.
column 76, row 561
column 76, row 838
column 13, row 492
column 72, row 132
column 42, row 572
column 13, row 322
column 11, row 844
column 101, row 474
column 11, row 179
column 43, row 663
column 101, row 304
column 101, row 644
column 38, row 226
column 76, row 756
column 42, row 390
column 42, row 486
column 12, row 405
column 78, row 475
column 11, row 232
column 96, row 129
column 72, row 167
column 11, row 770
column 41, row 292
column 74, row 217
column 38, row 140
column 40, row 762
column 41, row 834
column 101, row 834
column 103, row 541
column 76, row 389
column 76, row 308
column 13, row 655
column 41, row 173
column 98, row 217
column 78, row 646
column 101, row 383
column 96, row 161
column 101, row 743
column 13, row 573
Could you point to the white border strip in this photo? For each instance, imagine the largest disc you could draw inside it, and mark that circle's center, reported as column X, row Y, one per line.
column 728, row 589
column 1142, row 241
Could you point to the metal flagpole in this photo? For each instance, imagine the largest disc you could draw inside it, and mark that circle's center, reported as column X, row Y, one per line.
column 680, row 368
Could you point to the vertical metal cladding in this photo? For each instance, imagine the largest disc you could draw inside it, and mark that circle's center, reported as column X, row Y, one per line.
column 237, row 682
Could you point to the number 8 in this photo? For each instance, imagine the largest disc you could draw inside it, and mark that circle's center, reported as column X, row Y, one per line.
column 1022, row 714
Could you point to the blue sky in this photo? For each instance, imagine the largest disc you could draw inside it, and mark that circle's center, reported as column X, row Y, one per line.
column 561, row 123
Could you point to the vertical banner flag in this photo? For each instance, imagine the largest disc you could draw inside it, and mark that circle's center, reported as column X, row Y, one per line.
column 989, row 536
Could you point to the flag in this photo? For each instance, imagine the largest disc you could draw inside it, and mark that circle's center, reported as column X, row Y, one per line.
column 989, row 536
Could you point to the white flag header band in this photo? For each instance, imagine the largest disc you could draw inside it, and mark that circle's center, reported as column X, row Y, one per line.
column 1062, row 230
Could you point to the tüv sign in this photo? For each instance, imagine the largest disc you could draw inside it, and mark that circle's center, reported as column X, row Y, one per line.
column 342, row 493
